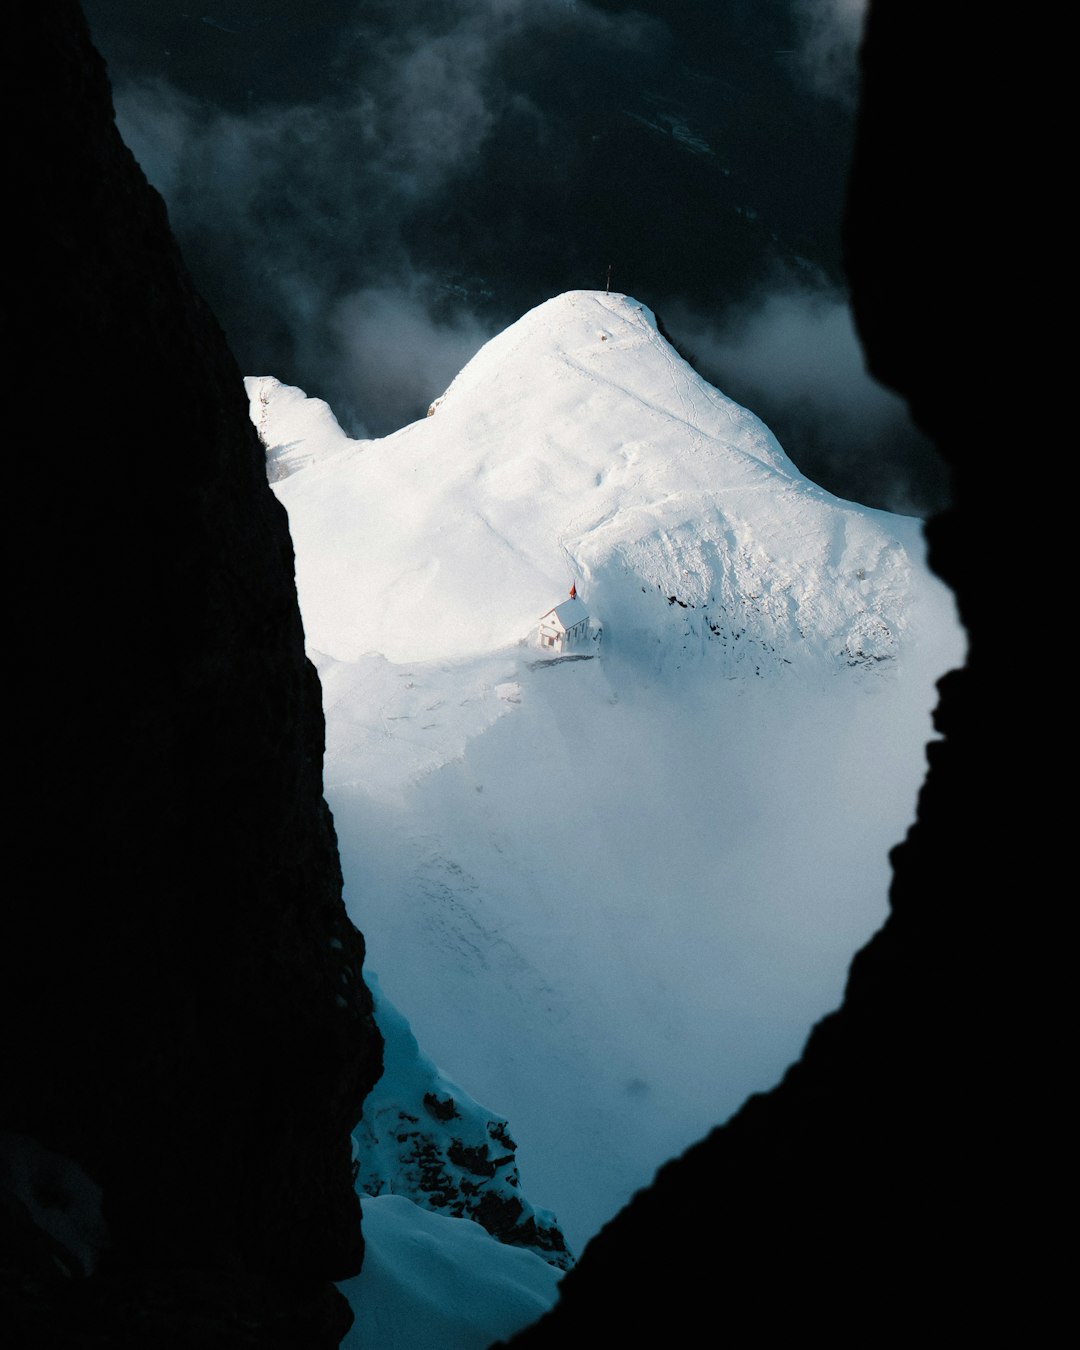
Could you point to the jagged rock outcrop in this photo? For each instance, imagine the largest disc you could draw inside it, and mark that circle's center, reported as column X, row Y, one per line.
column 187, row 1039
column 424, row 1138
column 868, row 1197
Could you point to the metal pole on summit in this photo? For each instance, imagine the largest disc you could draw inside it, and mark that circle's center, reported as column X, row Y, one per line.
column 608, row 287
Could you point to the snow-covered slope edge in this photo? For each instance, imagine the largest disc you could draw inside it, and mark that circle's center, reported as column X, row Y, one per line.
column 422, row 1137
column 296, row 430
column 433, row 1283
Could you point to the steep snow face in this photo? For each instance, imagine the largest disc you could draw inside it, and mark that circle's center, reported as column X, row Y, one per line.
column 611, row 895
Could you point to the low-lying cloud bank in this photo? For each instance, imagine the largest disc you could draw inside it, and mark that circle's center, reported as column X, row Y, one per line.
column 793, row 357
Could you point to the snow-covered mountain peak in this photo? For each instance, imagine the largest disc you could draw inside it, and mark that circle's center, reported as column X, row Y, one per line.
column 610, row 895
column 577, row 446
column 611, row 341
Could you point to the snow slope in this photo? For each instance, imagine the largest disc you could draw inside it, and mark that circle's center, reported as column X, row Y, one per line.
column 611, row 895
column 433, row 1283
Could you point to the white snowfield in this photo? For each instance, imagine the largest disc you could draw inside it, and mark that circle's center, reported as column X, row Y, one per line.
column 612, row 895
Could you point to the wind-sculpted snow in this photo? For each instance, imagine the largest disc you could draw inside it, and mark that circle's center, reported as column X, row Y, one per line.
column 299, row 431
column 611, row 895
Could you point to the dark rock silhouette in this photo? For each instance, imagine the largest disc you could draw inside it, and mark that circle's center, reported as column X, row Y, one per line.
column 860, row 1199
column 187, row 1039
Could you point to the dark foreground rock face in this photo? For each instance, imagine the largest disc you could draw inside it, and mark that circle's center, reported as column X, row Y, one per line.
column 186, row 1037
column 870, row 1198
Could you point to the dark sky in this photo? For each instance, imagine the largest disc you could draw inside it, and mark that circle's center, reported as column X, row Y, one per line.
column 366, row 190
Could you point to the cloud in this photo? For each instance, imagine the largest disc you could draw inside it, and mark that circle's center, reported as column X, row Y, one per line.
column 317, row 221
column 413, row 99
column 298, row 216
column 792, row 356
column 302, row 213
column 830, row 32
column 397, row 352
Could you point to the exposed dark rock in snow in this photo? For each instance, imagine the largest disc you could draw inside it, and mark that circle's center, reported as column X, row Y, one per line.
column 867, row 1197
column 424, row 1138
column 184, row 1018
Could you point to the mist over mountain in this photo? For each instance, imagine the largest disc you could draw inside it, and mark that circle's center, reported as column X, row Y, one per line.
column 366, row 193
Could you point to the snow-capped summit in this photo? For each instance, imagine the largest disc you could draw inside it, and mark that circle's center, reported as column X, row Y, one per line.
column 578, row 446
column 610, row 895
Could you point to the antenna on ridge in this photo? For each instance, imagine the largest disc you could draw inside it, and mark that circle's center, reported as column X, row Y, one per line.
column 608, row 287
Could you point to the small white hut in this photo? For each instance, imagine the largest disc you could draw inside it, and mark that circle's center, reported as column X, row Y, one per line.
column 565, row 626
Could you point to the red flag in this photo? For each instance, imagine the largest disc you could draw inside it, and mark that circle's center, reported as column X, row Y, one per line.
column 573, row 590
